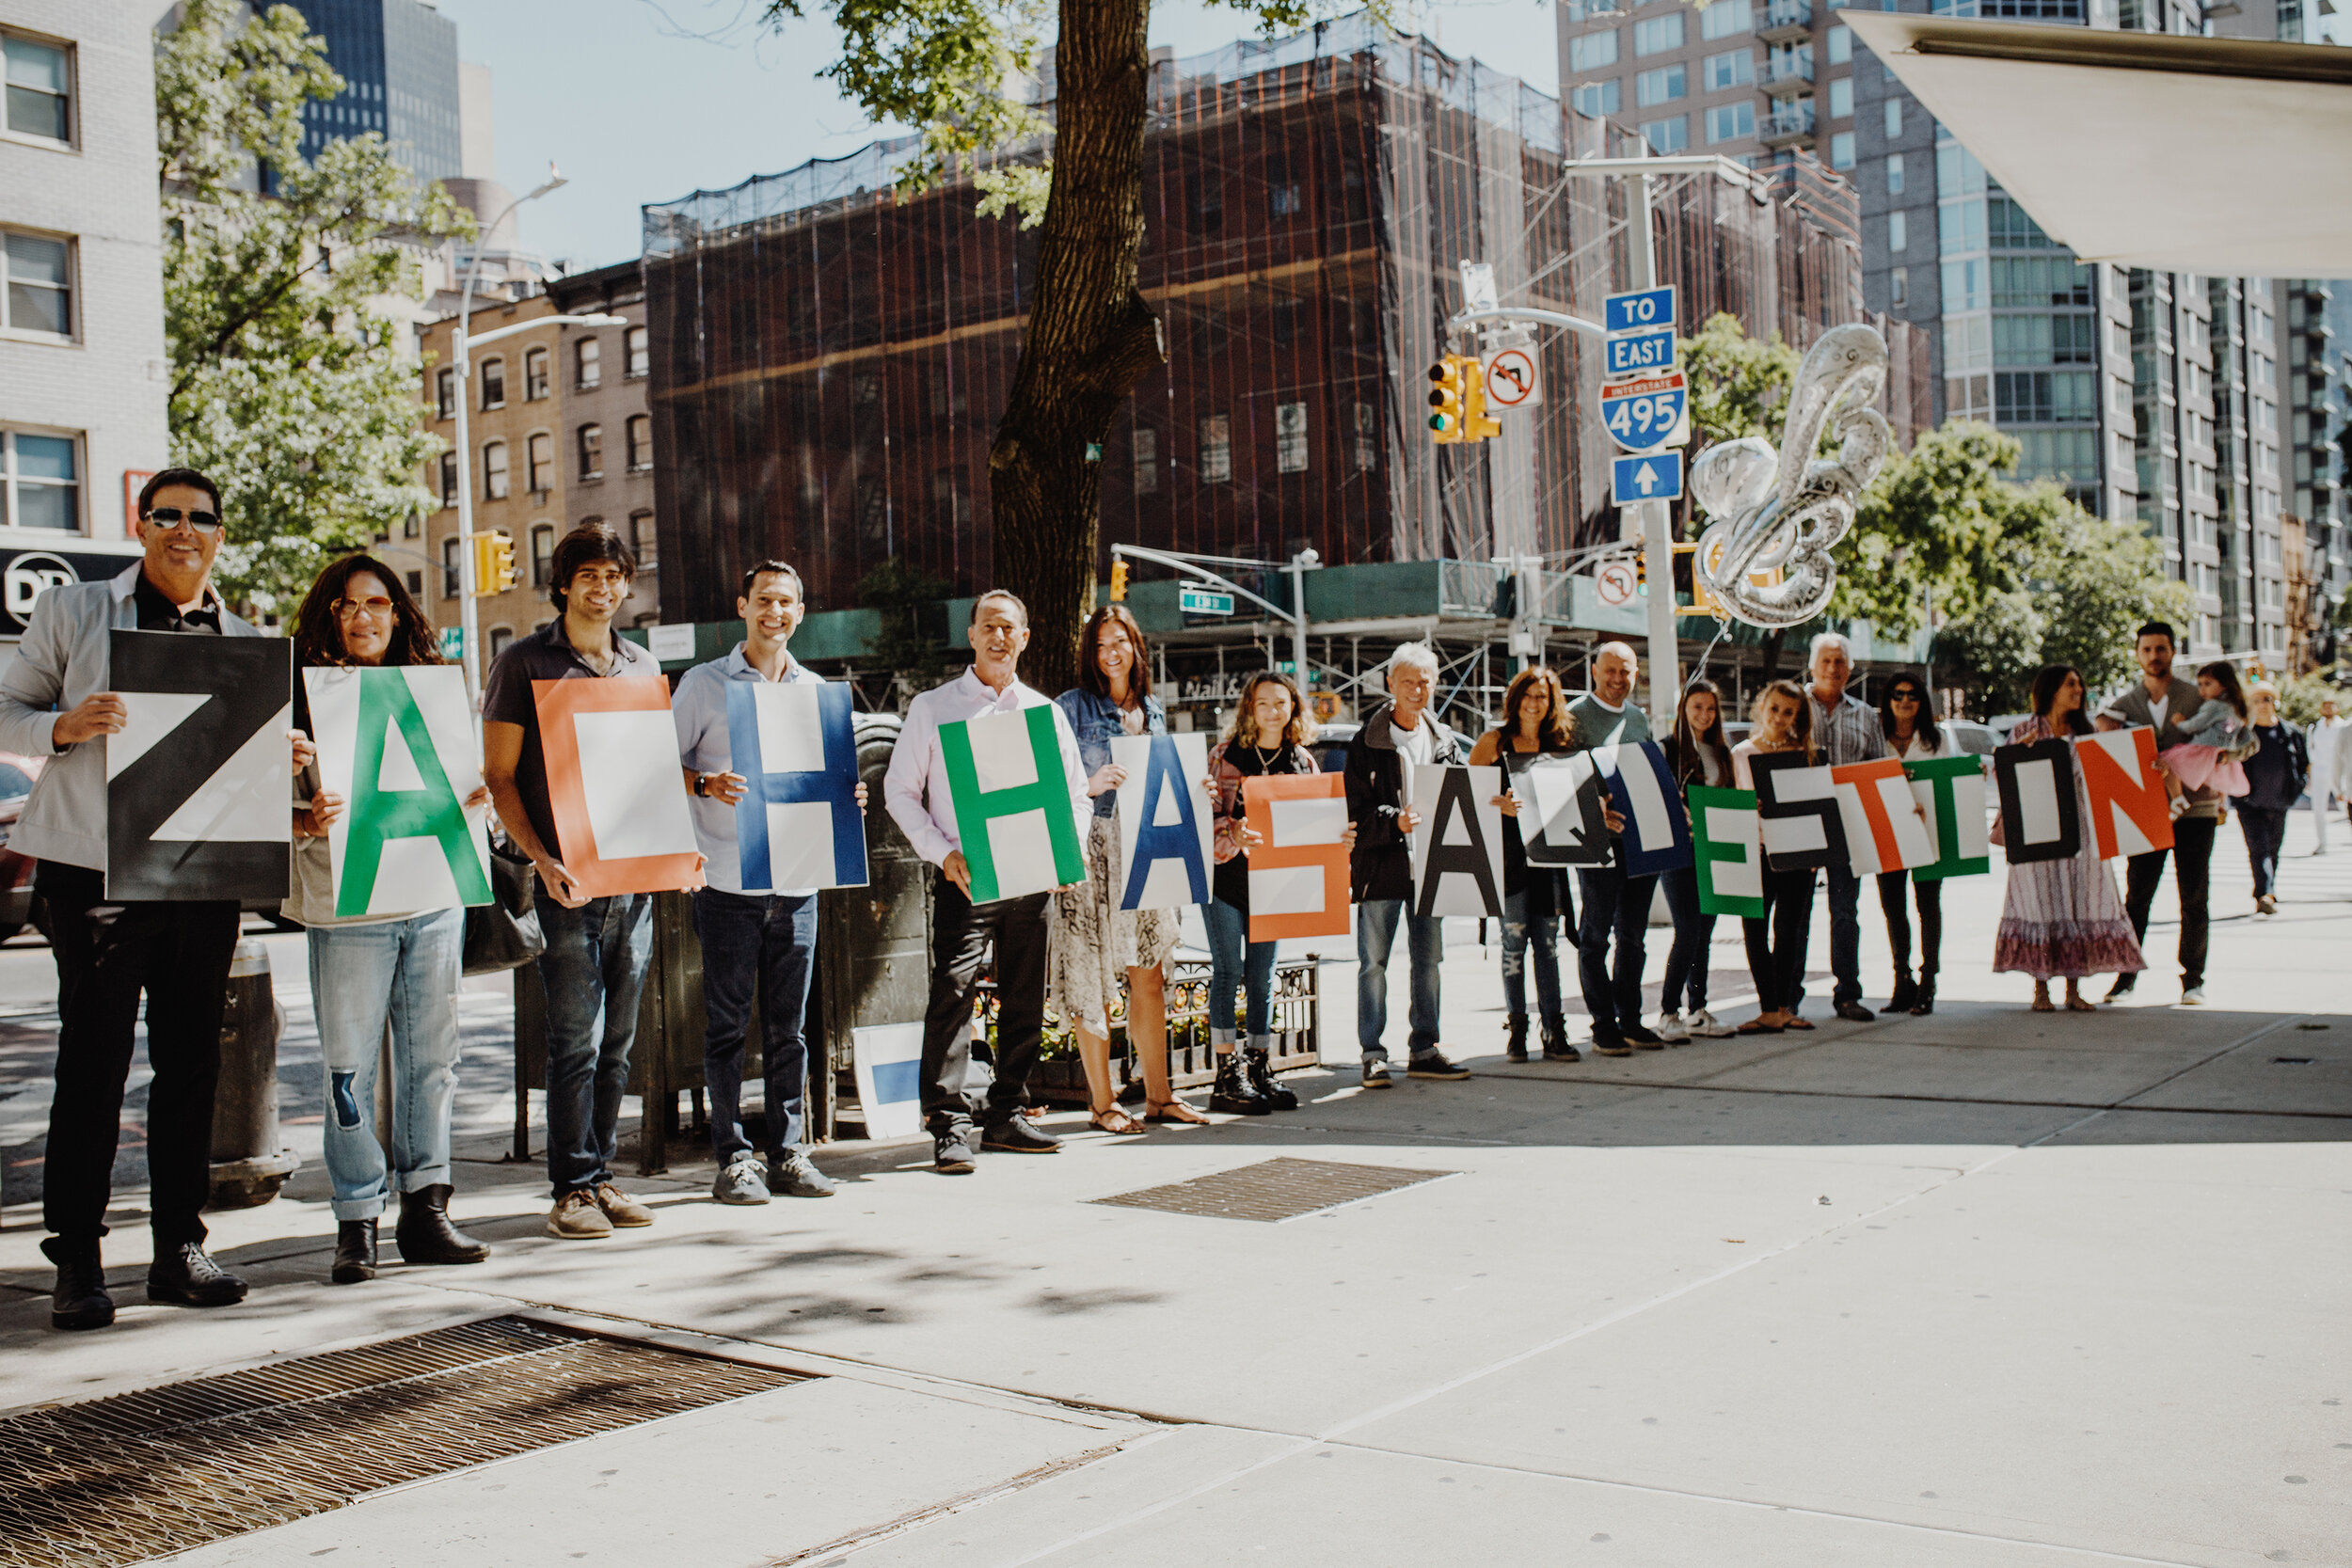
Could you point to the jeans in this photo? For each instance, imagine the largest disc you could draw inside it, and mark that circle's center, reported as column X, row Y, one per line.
column 768, row 940
column 1686, row 962
column 1845, row 941
column 106, row 955
column 594, row 970
column 965, row 939
column 1235, row 962
column 1929, row 896
column 1613, row 902
column 404, row 973
column 1528, row 921
column 1776, row 943
column 2265, row 830
column 1375, row 938
column 2192, row 856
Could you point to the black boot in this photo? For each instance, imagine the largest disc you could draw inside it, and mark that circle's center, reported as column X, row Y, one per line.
column 1233, row 1092
column 1515, row 1041
column 1556, row 1046
column 186, row 1274
column 424, row 1234
column 1261, row 1074
column 1905, row 994
column 1923, row 1000
column 355, row 1252
column 80, row 1298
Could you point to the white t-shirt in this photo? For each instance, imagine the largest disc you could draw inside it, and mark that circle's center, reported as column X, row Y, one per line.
column 1417, row 744
column 2158, row 707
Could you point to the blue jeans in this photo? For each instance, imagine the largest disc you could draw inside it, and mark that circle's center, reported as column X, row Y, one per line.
column 1613, row 902
column 1235, row 961
column 1845, row 941
column 1529, row 920
column 594, row 970
column 404, row 973
column 770, row 940
column 1686, row 962
column 1375, row 938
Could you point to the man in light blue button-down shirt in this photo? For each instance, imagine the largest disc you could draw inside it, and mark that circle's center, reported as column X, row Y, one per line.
column 768, row 938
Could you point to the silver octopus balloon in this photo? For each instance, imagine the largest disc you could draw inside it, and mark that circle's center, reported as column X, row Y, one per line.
column 1785, row 509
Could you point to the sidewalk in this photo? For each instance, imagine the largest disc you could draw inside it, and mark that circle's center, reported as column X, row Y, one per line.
column 1984, row 1287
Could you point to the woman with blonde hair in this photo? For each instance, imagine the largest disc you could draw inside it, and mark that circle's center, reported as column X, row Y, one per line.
column 1536, row 724
column 1783, row 722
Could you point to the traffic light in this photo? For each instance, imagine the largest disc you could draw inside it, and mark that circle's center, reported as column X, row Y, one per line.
column 493, row 564
column 1118, row 580
column 1449, row 389
column 1477, row 424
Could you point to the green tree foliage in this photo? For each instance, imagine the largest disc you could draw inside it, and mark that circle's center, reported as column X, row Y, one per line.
column 2299, row 699
column 906, row 648
column 1738, row 386
column 1938, row 524
column 291, row 385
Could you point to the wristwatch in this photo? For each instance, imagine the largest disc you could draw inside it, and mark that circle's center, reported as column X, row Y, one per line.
column 702, row 785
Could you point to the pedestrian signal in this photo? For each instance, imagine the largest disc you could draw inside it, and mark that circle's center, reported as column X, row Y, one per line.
column 493, row 564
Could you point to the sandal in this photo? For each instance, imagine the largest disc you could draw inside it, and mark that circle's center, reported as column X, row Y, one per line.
column 2077, row 1005
column 2042, row 1003
column 1176, row 1111
column 1116, row 1121
column 1758, row 1026
column 1799, row 1023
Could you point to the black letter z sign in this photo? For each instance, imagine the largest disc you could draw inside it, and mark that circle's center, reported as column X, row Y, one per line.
column 200, row 786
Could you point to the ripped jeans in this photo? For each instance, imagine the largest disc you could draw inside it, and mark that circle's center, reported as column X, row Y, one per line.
column 404, row 973
column 1531, row 921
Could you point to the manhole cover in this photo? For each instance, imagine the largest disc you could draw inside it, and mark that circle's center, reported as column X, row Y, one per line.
column 1275, row 1189
column 115, row 1480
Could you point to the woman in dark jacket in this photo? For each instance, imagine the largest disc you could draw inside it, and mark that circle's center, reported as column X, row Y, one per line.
column 1699, row 755
column 1536, row 724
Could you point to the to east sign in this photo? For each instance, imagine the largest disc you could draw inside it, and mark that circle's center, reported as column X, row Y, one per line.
column 1653, row 477
column 1639, row 415
column 1200, row 601
column 1638, row 309
column 1625, row 354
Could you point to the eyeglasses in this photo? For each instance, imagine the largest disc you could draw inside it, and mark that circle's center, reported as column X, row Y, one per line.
column 374, row 604
column 172, row 516
column 1903, row 694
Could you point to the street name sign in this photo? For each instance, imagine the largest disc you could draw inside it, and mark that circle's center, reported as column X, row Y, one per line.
column 1204, row 601
column 1653, row 476
column 1648, row 413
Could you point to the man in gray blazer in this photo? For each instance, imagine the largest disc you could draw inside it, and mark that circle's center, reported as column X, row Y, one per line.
column 55, row 703
column 2161, row 701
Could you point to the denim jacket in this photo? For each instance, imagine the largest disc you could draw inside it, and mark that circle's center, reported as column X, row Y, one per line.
column 1096, row 722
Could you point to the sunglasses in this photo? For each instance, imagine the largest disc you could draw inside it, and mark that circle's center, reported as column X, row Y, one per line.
column 172, row 516
column 374, row 604
column 1903, row 694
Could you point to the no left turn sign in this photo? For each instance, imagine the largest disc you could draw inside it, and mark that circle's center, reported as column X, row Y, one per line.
column 1513, row 379
column 1615, row 582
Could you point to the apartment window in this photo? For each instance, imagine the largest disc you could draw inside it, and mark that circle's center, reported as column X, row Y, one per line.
column 1662, row 85
column 1841, row 149
column 499, row 639
column 1961, row 225
column 1367, row 441
column 1731, row 121
column 1593, row 51
column 1893, row 119
column 494, row 471
column 1147, row 460
column 588, row 361
column 1216, row 450
column 534, row 374
column 412, row 526
column 1841, row 97
column 542, row 553
column 540, row 459
column 40, row 88
column 592, row 451
column 416, row 585
column 1290, row 437
column 1897, row 233
column 1840, row 44
column 445, row 393
column 1599, row 99
column 640, row 443
column 1726, row 18
column 493, row 384
column 1894, row 174
column 1898, row 287
column 40, row 285
column 1734, row 68
column 643, row 543
column 1667, row 135
column 639, row 352
column 452, row 583
column 43, row 481
column 1658, row 34
column 449, row 479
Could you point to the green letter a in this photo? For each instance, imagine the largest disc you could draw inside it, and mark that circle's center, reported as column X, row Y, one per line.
column 432, row 811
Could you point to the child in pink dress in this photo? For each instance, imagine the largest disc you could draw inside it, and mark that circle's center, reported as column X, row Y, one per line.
column 2219, row 722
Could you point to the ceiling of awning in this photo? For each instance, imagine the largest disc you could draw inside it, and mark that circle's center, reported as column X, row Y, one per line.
column 2227, row 157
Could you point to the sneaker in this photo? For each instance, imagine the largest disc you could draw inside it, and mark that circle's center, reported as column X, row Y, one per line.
column 1608, row 1042
column 2267, row 905
column 795, row 1175
column 1435, row 1064
column 1706, row 1025
column 2193, row 997
column 1641, row 1038
column 1018, row 1134
column 2123, row 986
column 622, row 1210
column 952, row 1152
column 1376, row 1073
column 1672, row 1030
column 744, row 1180
column 188, row 1274
column 577, row 1218
column 1854, row 1012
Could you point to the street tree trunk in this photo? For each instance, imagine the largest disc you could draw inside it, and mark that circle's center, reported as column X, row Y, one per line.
column 1090, row 335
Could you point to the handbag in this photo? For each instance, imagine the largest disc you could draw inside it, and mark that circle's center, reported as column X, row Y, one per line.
column 504, row 933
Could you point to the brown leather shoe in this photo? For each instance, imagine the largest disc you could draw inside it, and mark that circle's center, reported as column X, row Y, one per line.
column 577, row 1218
column 621, row 1209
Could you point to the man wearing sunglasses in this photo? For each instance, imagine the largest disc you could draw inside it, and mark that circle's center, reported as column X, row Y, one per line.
column 55, row 703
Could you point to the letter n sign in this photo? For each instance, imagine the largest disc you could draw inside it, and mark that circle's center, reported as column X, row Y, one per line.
column 1012, row 803
column 798, row 824
column 2130, row 814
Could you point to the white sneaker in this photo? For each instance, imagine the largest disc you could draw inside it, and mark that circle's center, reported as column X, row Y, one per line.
column 1705, row 1024
column 1672, row 1030
column 2193, row 997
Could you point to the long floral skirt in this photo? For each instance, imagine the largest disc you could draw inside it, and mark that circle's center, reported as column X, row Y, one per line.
column 1094, row 943
column 2062, row 919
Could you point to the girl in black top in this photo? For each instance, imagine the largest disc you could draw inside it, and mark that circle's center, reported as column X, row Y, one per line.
column 1698, row 755
column 1536, row 898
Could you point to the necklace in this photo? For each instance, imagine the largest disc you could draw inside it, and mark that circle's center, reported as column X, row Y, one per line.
column 1264, row 760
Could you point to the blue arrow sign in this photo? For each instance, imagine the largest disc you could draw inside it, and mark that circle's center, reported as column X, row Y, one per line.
column 1653, row 476
column 1641, row 415
column 1625, row 354
column 1640, row 308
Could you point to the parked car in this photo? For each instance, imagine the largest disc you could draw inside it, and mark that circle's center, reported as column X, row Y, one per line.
column 16, row 871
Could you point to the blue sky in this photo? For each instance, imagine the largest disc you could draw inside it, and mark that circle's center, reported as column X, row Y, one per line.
column 640, row 102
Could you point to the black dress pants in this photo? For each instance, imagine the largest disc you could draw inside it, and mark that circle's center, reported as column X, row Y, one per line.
column 2192, row 864
column 1776, row 943
column 177, row 954
column 1929, row 895
column 964, row 937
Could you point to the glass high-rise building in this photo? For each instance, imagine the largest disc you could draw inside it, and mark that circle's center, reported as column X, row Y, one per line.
column 399, row 58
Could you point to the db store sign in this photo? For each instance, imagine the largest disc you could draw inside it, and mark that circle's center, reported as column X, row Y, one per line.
column 26, row 575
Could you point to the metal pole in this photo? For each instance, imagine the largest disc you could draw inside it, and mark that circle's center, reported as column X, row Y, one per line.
column 1656, row 518
column 1298, row 618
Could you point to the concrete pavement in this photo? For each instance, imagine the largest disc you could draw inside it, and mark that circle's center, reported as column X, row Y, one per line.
column 1986, row 1288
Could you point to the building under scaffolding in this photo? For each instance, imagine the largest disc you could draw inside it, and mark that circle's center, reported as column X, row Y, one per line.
column 831, row 358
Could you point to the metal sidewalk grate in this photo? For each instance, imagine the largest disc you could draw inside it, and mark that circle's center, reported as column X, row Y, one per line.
column 117, row 1480
column 1274, row 1190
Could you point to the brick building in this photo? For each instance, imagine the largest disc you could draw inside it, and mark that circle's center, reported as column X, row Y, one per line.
column 608, row 416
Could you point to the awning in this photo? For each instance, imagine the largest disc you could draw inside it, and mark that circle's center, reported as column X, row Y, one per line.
column 2226, row 157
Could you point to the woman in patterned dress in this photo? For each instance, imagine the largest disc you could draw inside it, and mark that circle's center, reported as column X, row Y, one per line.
column 2062, row 918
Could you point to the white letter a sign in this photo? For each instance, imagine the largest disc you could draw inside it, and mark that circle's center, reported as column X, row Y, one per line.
column 200, row 786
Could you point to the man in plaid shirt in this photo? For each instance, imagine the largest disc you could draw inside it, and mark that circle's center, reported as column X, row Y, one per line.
column 1845, row 729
